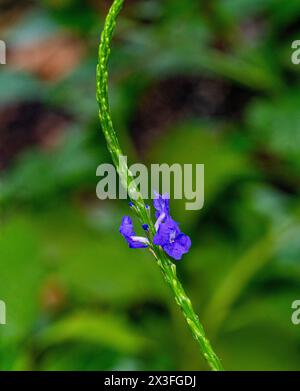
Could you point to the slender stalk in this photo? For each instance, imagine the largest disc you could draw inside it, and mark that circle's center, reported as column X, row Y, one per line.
column 167, row 267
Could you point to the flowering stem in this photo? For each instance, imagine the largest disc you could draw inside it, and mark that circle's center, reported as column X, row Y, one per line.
column 167, row 267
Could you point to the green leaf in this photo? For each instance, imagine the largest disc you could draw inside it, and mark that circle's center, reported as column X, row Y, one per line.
column 196, row 144
column 102, row 329
column 276, row 125
column 21, row 277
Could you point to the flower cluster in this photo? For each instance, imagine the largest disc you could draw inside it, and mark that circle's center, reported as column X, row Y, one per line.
column 168, row 234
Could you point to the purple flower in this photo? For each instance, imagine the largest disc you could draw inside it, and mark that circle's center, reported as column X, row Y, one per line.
column 171, row 239
column 161, row 204
column 126, row 230
column 168, row 234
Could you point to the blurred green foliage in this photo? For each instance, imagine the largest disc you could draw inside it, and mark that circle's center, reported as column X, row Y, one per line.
column 191, row 82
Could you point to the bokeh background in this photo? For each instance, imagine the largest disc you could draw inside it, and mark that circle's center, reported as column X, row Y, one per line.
column 191, row 82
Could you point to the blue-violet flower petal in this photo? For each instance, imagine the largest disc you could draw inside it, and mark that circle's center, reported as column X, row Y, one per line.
column 171, row 239
column 161, row 204
column 127, row 231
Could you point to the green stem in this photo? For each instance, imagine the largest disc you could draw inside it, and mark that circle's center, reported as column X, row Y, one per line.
column 167, row 267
